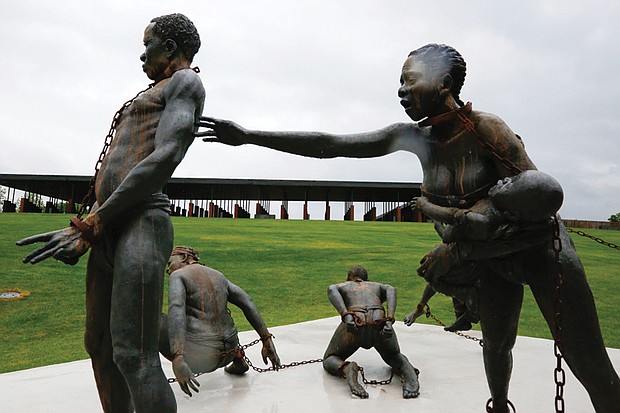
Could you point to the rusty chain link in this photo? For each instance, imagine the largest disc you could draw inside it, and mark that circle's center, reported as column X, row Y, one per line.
column 592, row 237
column 240, row 352
column 282, row 366
column 508, row 164
column 489, row 408
column 428, row 314
column 376, row 382
column 108, row 141
column 559, row 376
column 88, row 198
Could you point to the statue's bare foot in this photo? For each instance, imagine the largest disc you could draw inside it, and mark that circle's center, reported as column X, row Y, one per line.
column 461, row 324
column 411, row 385
column 350, row 371
column 237, row 367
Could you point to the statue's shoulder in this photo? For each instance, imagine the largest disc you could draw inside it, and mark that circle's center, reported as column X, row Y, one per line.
column 185, row 82
column 485, row 118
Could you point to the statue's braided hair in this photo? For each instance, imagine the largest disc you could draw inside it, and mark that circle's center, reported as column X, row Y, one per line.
column 186, row 253
column 444, row 59
column 179, row 28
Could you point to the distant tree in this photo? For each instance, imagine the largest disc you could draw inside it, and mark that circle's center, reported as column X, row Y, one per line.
column 615, row 217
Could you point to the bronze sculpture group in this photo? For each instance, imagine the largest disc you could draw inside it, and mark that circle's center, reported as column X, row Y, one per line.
column 463, row 153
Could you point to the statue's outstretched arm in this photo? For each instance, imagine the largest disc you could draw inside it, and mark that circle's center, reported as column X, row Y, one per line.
column 399, row 136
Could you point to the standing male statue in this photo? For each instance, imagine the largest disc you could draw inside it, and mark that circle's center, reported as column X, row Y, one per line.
column 366, row 325
column 128, row 230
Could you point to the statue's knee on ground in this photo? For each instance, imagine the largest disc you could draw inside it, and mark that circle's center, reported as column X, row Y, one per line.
column 333, row 365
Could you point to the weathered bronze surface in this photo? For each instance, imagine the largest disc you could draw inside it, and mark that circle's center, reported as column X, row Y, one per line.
column 463, row 153
column 365, row 324
column 198, row 334
column 128, row 231
column 517, row 212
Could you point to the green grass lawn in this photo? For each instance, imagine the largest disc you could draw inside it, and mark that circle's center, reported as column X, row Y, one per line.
column 286, row 266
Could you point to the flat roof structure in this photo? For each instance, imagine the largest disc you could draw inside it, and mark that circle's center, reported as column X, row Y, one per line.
column 223, row 193
column 65, row 187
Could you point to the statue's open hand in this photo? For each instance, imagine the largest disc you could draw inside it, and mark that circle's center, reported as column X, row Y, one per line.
column 66, row 245
column 223, row 131
column 269, row 352
column 185, row 376
column 387, row 330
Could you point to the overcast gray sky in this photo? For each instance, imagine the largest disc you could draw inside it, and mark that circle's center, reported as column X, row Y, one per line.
column 548, row 68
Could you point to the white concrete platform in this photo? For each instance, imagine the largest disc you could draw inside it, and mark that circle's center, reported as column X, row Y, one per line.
column 452, row 379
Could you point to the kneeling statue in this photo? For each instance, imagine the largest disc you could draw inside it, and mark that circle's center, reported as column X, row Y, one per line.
column 365, row 324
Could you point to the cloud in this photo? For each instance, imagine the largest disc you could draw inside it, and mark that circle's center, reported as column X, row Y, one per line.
column 548, row 69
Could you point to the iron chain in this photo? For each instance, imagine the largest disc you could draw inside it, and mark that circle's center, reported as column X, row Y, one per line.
column 282, row 366
column 88, row 198
column 489, row 407
column 106, row 145
column 376, row 382
column 507, row 163
column 458, row 333
column 559, row 375
column 241, row 352
column 592, row 237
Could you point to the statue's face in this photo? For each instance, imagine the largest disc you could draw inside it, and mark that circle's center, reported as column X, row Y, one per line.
column 155, row 57
column 419, row 89
column 174, row 263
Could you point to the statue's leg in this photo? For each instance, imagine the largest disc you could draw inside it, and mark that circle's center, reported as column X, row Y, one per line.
column 142, row 252
column 113, row 391
column 389, row 350
column 499, row 306
column 581, row 340
column 342, row 345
